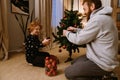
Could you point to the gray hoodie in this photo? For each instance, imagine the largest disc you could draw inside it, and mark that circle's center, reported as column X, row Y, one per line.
column 101, row 36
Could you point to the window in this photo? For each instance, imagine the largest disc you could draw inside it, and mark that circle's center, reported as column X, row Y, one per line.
column 57, row 12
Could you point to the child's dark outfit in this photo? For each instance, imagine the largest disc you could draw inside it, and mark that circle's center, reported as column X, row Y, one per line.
column 33, row 55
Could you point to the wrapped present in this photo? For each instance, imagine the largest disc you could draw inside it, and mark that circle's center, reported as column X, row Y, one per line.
column 51, row 65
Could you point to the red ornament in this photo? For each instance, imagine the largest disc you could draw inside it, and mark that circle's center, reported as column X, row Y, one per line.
column 49, row 73
column 53, row 63
column 47, row 58
column 64, row 17
column 51, row 60
column 54, row 73
column 46, row 62
column 62, row 25
column 64, row 47
column 60, row 50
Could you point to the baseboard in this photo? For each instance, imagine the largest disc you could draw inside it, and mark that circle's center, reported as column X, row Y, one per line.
column 17, row 50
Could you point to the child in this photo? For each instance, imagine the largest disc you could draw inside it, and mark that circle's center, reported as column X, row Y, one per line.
column 32, row 45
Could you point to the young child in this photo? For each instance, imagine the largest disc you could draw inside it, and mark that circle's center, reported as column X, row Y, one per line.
column 32, row 45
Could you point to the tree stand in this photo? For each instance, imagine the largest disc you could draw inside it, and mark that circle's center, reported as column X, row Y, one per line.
column 69, row 58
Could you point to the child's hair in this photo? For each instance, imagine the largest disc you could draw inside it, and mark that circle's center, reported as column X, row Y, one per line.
column 33, row 24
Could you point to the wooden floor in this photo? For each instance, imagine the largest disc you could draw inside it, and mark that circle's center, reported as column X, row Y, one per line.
column 16, row 67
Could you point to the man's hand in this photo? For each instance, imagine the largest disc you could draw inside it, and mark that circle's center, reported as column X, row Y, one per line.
column 64, row 32
column 72, row 29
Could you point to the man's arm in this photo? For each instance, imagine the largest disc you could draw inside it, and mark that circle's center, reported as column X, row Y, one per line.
column 85, row 35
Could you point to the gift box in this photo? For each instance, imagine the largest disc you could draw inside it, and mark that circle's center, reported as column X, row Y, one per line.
column 51, row 65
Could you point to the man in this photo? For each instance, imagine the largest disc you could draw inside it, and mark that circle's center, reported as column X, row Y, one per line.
column 101, row 37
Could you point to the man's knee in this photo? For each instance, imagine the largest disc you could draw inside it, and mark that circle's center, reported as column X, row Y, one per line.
column 68, row 74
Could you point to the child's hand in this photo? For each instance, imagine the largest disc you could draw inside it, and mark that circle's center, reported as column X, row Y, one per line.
column 46, row 42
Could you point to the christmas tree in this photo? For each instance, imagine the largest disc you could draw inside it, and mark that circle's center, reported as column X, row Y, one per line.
column 71, row 18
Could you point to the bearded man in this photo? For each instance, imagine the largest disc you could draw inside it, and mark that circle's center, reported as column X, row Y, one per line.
column 101, row 37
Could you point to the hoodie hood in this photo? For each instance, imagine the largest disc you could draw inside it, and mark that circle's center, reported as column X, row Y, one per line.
column 102, row 11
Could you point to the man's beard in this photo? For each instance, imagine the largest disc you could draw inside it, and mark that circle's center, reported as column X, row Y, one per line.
column 88, row 14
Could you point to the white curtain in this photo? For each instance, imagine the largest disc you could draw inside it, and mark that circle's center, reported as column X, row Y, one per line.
column 3, row 30
column 106, row 2
column 78, row 5
column 37, row 8
column 57, row 12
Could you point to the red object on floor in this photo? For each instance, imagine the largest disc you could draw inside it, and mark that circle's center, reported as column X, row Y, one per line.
column 51, row 65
